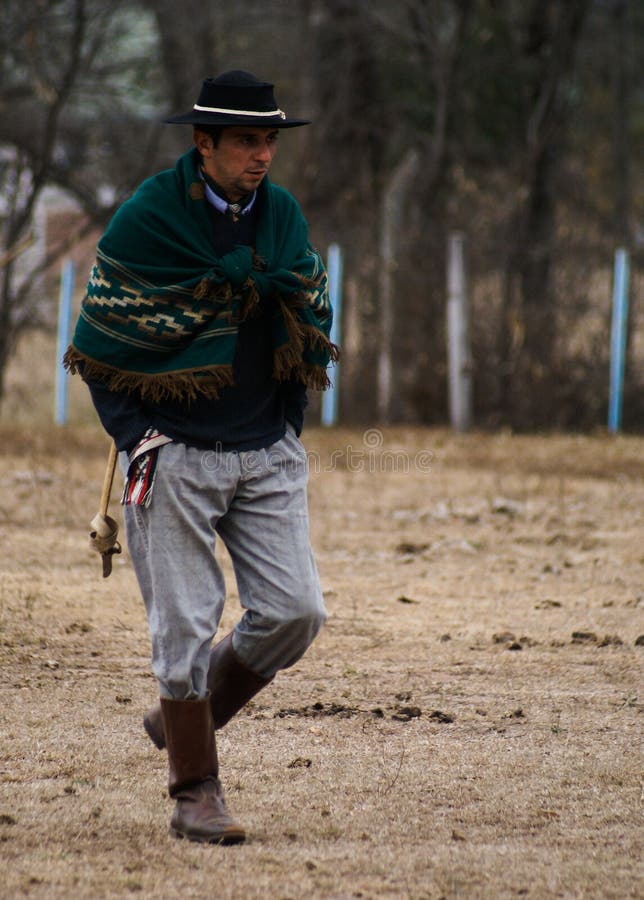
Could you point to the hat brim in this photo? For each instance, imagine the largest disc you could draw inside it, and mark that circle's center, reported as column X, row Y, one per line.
column 196, row 118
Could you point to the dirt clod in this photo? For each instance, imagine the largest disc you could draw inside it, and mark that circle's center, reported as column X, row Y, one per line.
column 584, row 637
column 611, row 640
column 406, row 713
column 407, row 548
column 318, row 709
column 503, row 637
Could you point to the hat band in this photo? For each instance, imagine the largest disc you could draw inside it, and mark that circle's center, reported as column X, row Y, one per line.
column 239, row 112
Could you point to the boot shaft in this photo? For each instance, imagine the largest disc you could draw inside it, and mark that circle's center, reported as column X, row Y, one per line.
column 230, row 682
column 190, row 738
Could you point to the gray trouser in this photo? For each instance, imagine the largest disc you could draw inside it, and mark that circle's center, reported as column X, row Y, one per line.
column 256, row 501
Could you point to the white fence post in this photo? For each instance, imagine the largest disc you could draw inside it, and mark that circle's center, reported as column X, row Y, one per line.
column 458, row 338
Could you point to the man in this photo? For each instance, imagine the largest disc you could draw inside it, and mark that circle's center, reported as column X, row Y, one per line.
column 206, row 318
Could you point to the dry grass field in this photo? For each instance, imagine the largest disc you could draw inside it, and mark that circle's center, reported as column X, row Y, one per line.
column 468, row 724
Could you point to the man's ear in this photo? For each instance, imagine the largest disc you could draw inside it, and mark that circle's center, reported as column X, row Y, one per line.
column 203, row 143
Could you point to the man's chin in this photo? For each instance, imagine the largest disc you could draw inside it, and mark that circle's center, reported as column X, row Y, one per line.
column 254, row 180
column 248, row 185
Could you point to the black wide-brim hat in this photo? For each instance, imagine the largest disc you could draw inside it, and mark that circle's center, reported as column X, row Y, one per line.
column 236, row 98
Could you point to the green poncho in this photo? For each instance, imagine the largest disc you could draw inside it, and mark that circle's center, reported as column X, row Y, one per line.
column 162, row 312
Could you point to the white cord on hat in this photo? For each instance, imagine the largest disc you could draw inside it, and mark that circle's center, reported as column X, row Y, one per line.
column 239, row 112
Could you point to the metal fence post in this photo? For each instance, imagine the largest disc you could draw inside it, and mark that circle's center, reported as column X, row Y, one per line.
column 334, row 267
column 618, row 340
column 64, row 322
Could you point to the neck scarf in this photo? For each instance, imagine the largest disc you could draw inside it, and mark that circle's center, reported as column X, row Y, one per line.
column 162, row 313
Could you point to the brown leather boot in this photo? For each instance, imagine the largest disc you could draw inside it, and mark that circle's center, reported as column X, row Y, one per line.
column 200, row 812
column 231, row 685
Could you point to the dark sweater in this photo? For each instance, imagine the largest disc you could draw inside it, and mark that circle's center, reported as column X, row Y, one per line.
column 249, row 415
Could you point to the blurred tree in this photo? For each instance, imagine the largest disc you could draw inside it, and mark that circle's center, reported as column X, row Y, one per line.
column 536, row 184
column 429, row 36
column 518, row 122
column 621, row 126
column 341, row 190
column 518, row 90
column 545, row 56
column 187, row 46
column 74, row 84
column 385, row 81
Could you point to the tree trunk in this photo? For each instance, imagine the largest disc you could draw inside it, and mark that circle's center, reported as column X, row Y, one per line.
column 527, row 349
column 188, row 51
column 621, row 128
column 391, row 209
column 5, row 322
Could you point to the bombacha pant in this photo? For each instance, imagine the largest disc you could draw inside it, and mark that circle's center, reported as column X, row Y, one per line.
column 256, row 502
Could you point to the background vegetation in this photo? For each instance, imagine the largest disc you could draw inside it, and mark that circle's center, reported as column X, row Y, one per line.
column 519, row 123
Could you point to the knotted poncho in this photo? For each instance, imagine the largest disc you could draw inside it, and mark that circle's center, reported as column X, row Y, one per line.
column 162, row 312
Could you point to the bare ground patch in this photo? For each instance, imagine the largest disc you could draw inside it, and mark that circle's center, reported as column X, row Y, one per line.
column 468, row 724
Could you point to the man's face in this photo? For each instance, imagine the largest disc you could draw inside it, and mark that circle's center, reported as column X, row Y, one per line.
column 241, row 159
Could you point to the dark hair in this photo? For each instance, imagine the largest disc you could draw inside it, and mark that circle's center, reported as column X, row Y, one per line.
column 213, row 131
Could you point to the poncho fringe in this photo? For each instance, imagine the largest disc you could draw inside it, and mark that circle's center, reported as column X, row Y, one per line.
column 174, row 386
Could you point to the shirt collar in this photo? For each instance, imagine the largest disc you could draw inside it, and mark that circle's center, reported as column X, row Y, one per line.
column 222, row 205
